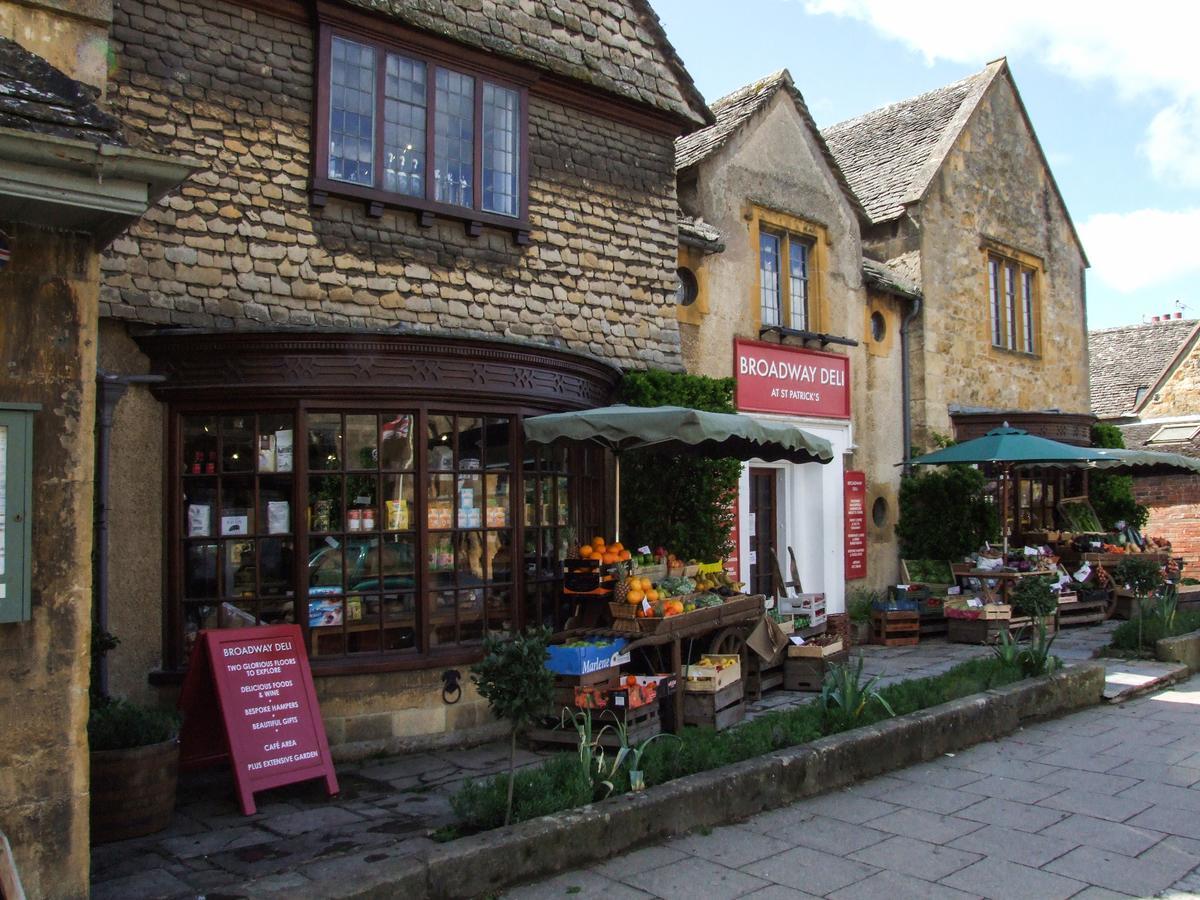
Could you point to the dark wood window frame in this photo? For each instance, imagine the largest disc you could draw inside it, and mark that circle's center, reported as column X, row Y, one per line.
column 300, row 373
column 394, row 40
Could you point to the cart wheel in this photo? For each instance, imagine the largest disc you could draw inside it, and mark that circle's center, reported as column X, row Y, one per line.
column 731, row 640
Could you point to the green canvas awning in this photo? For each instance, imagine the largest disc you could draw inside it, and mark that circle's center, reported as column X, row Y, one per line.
column 677, row 429
column 1147, row 462
column 1011, row 447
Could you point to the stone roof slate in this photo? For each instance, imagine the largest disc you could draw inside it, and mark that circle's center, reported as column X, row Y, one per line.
column 735, row 109
column 37, row 97
column 617, row 45
column 1131, row 357
column 888, row 277
column 700, row 233
column 1137, row 434
column 890, row 154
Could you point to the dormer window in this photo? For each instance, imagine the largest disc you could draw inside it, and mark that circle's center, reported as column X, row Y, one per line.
column 398, row 128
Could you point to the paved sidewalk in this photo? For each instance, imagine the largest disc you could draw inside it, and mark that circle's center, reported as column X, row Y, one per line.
column 1102, row 803
column 390, row 804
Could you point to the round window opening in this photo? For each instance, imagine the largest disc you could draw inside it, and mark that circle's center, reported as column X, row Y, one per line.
column 878, row 326
column 686, row 286
column 879, row 510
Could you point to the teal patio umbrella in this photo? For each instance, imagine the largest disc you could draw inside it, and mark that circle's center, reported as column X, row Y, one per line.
column 677, row 429
column 1147, row 462
column 1010, row 448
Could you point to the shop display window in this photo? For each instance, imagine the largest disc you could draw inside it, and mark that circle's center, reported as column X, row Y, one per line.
column 235, row 513
column 385, row 533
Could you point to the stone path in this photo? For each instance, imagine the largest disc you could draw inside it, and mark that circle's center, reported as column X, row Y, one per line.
column 394, row 802
column 1102, row 803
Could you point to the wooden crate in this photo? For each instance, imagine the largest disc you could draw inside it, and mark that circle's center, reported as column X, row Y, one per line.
column 895, row 629
column 719, row 710
column 975, row 631
column 934, row 626
column 808, row 673
column 641, row 724
column 1024, row 626
column 1083, row 612
column 710, row 679
column 814, row 651
column 760, row 678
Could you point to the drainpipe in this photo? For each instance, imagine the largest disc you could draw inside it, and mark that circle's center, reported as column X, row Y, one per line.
column 906, row 383
column 110, row 390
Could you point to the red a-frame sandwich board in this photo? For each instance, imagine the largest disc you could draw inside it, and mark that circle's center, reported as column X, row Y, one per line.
column 248, row 697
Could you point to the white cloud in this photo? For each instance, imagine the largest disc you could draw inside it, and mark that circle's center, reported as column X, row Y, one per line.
column 1142, row 249
column 1146, row 53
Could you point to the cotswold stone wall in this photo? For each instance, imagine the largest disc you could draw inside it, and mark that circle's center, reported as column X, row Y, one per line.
column 1180, row 394
column 48, row 343
column 992, row 185
column 240, row 246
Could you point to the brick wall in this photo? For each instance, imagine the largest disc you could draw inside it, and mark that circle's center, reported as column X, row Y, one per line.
column 239, row 246
column 1174, row 503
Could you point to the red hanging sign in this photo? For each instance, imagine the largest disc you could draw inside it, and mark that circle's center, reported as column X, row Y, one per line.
column 856, row 525
column 248, row 696
column 771, row 378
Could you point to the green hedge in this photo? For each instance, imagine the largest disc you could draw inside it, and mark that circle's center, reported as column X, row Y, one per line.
column 681, row 503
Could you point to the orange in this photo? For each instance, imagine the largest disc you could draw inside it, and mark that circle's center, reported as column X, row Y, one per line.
column 598, row 542
column 652, row 595
column 586, row 552
column 635, row 597
column 608, row 558
column 626, row 555
column 647, row 584
column 616, row 546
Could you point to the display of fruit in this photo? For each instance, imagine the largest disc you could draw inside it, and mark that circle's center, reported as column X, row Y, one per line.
column 605, row 552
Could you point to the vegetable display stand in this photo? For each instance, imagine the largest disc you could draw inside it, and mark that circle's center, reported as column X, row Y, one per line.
column 807, row 673
column 715, row 709
column 895, row 628
column 735, row 616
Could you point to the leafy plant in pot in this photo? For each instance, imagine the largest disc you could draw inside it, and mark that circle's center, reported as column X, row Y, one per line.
column 134, row 764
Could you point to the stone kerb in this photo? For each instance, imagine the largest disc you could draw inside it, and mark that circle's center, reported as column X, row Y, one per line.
column 1184, row 648
column 485, row 863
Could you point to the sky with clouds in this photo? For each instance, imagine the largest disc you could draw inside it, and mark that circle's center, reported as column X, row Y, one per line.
column 1113, row 91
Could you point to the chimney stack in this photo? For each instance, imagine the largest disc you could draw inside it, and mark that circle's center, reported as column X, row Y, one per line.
column 1154, row 318
column 1179, row 315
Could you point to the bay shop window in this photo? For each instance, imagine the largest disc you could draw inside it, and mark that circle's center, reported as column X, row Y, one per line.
column 376, row 491
column 381, row 531
column 400, row 126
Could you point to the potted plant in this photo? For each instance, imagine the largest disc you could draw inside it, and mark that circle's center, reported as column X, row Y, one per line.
column 134, row 759
column 859, row 606
column 134, row 768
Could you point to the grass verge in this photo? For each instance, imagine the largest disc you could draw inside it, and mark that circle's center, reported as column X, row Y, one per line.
column 1125, row 638
column 560, row 783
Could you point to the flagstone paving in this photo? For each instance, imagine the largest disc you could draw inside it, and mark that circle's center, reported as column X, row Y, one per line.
column 393, row 804
column 1063, row 821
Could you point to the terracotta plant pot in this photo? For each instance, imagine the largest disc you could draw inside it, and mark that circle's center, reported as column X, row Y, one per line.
column 860, row 632
column 133, row 791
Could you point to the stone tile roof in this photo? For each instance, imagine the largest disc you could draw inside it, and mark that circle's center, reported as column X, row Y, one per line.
column 1131, row 357
column 35, row 96
column 1137, row 434
column 734, row 110
column 890, row 278
column 889, row 155
column 700, row 233
column 616, row 45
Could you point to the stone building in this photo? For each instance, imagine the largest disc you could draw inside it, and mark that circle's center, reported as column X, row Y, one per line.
column 415, row 225
column 69, row 184
column 772, row 271
column 963, row 206
column 1146, row 380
